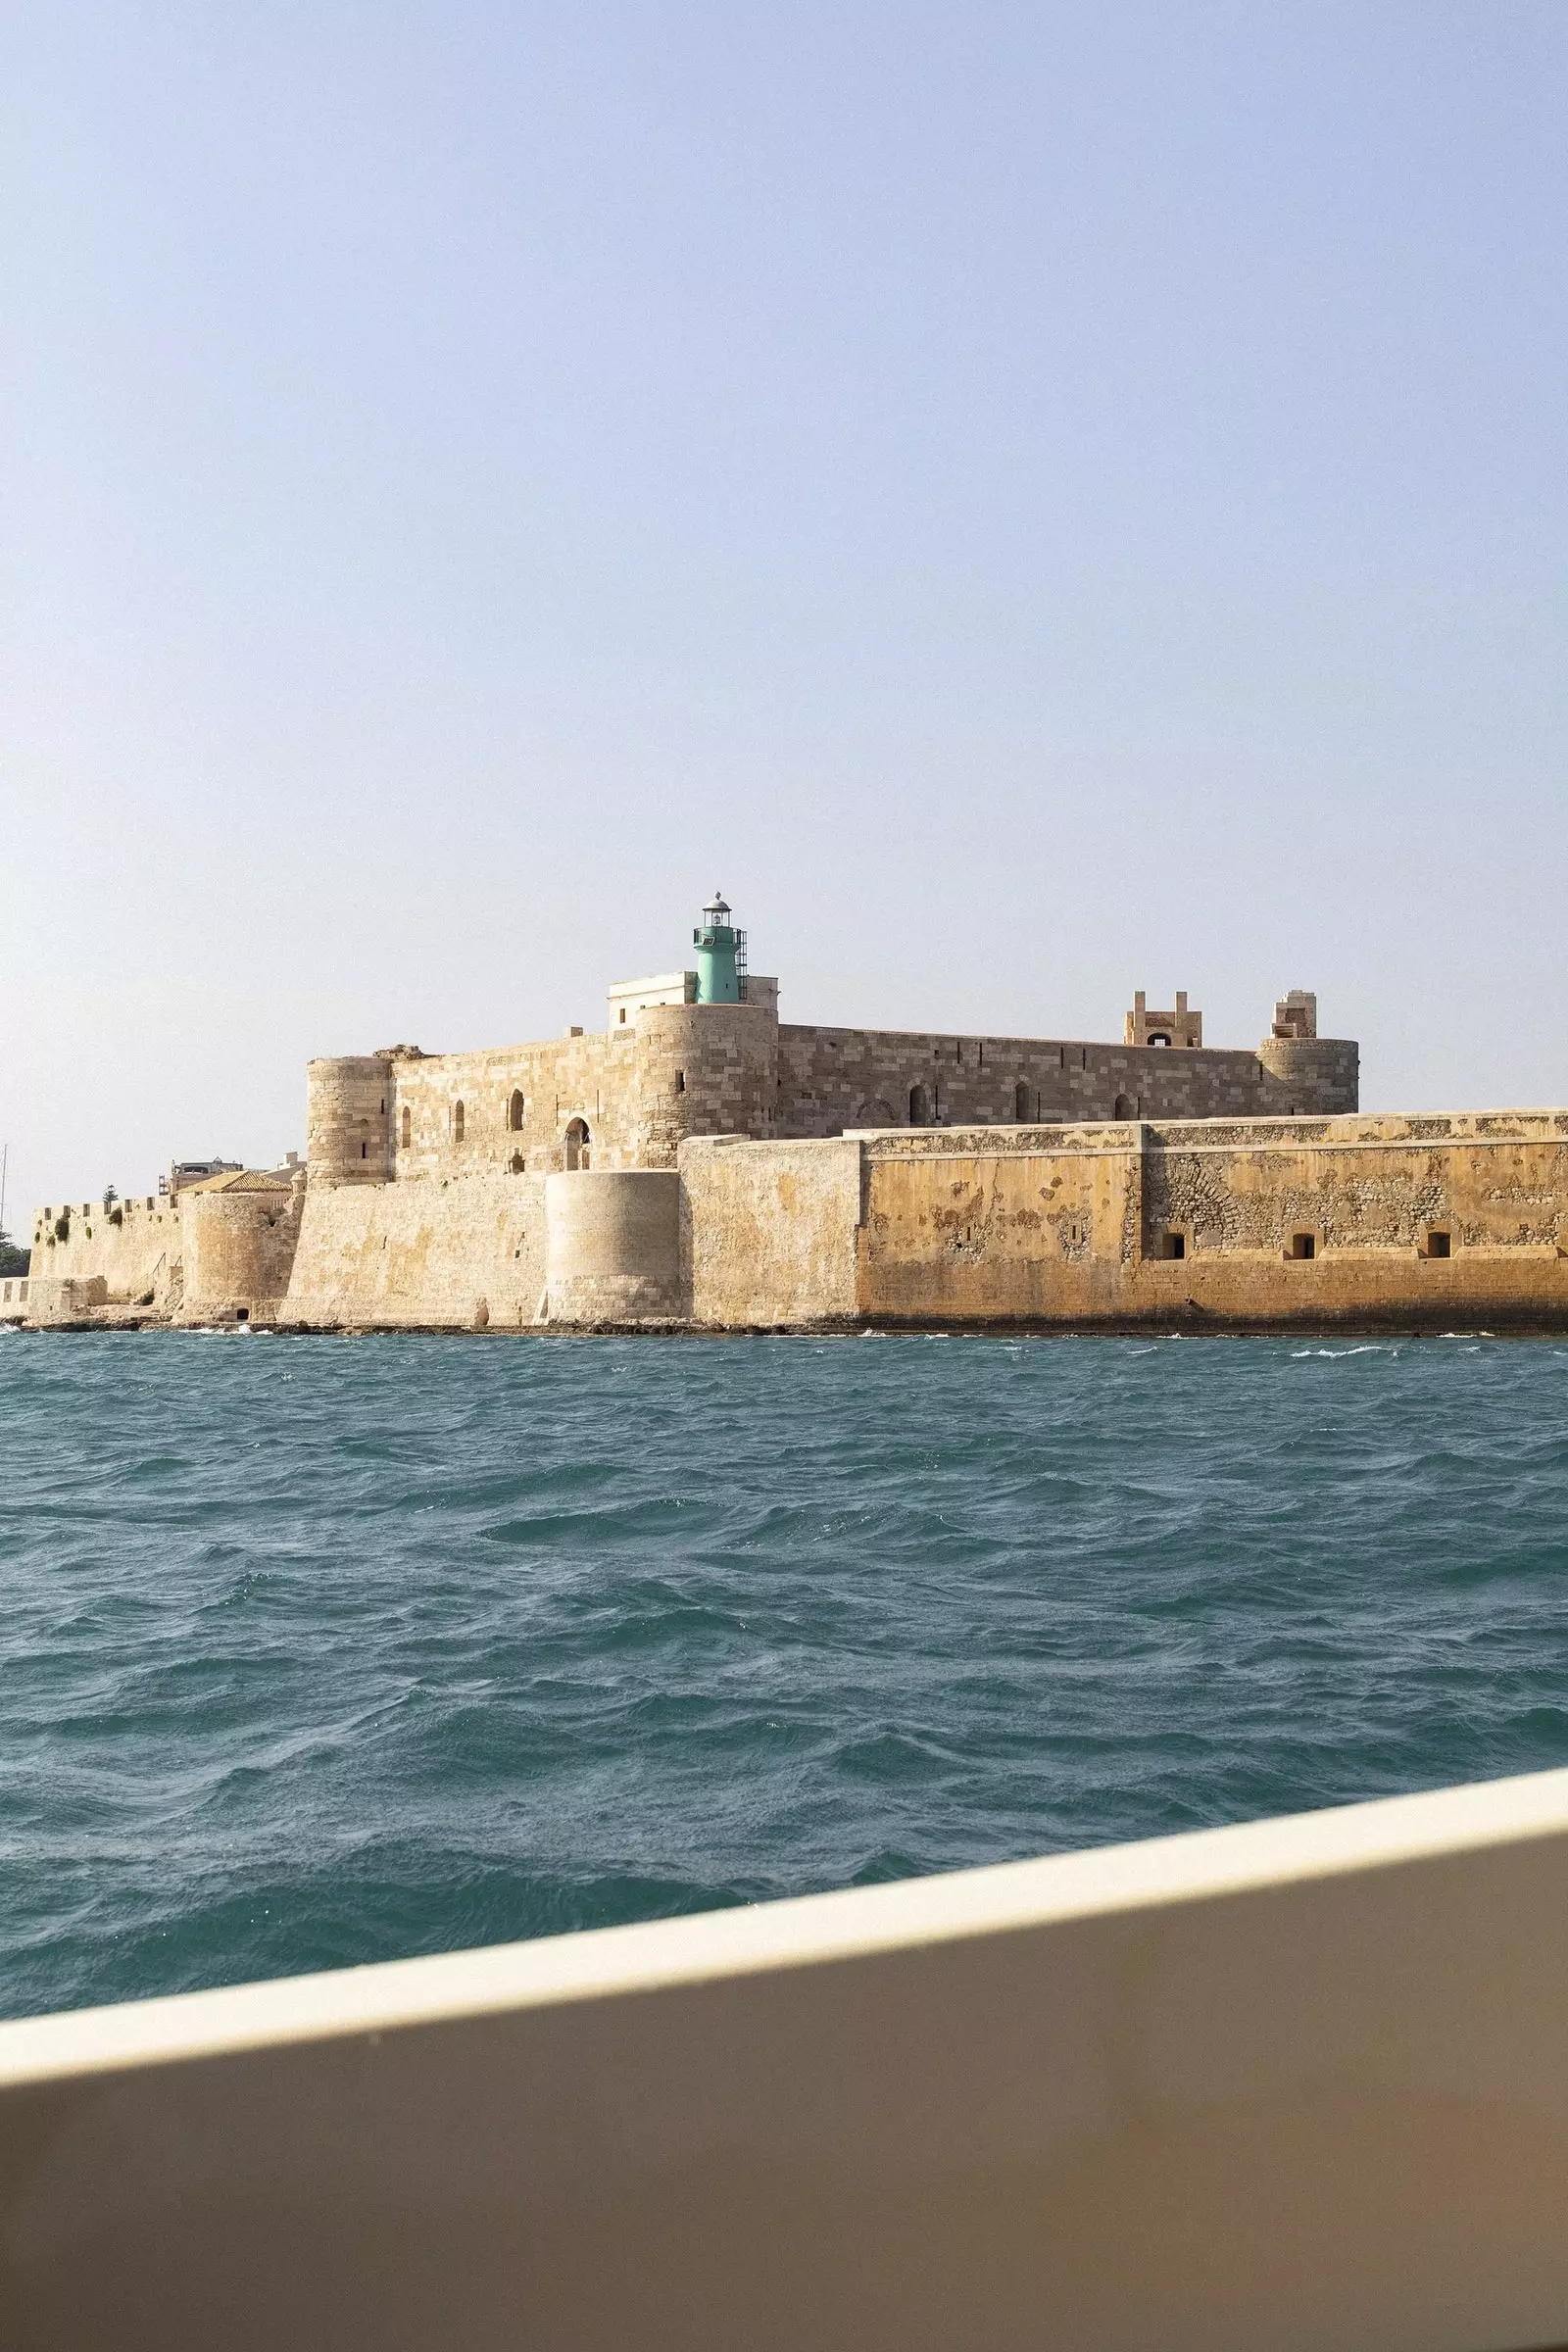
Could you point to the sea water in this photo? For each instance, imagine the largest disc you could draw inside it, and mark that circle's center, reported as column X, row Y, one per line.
column 324, row 1650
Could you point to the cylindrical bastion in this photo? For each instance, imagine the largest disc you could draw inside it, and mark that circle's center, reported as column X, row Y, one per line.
column 240, row 1242
column 348, row 1122
column 612, row 1246
column 1323, row 1073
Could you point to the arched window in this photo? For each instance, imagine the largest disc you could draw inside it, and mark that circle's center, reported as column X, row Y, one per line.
column 920, row 1106
column 578, row 1140
column 1025, row 1102
column 1126, row 1108
column 408, row 1127
column 456, row 1122
column 515, row 1110
column 519, row 1164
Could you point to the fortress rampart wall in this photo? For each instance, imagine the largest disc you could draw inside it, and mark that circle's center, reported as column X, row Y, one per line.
column 769, row 1231
column 833, row 1080
column 636, row 1091
column 630, row 1097
column 465, row 1255
column 1408, row 1223
column 1305, row 1223
column 134, row 1248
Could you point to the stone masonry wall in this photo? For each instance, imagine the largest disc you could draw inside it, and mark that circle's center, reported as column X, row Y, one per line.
column 1071, row 1226
column 135, row 1248
column 639, row 1090
column 959, row 1228
column 461, row 1254
column 769, row 1232
column 833, row 1080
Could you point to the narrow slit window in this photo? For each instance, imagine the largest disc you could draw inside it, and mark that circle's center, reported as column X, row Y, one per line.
column 408, row 1127
column 456, row 1122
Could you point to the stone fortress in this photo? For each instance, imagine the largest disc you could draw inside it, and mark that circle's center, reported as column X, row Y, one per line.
column 698, row 1163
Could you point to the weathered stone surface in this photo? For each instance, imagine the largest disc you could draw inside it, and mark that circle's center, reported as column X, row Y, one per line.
column 240, row 1235
column 769, row 1232
column 467, row 1253
column 1267, row 1223
column 134, row 1246
column 612, row 1246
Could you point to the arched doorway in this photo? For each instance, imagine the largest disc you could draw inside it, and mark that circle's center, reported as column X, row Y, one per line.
column 1126, row 1108
column 920, row 1106
column 1025, row 1102
column 578, row 1145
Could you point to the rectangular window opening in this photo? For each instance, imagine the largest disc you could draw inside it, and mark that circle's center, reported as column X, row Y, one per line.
column 1174, row 1246
column 1438, row 1244
column 680, row 1082
column 1304, row 1245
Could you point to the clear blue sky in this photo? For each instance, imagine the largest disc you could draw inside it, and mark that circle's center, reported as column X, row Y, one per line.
column 1036, row 501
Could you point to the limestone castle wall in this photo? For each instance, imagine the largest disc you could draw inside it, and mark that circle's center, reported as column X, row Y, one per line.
column 628, row 1097
column 135, row 1248
column 462, row 1254
column 1367, row 1222
column 770, row 1232
column 613, row 1246
column 1304, row 1222
column 424, row 1201
column 837, row 1080
column 635, row 1092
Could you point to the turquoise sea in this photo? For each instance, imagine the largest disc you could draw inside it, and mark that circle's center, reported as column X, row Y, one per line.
column 324, row 1651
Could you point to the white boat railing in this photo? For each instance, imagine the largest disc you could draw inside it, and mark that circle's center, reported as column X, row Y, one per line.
column 1290, row 2085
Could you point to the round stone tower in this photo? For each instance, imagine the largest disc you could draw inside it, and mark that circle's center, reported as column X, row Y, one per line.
column 1307, row 1072
column 348, row 1119
column 719, row 948
column 612, row 1246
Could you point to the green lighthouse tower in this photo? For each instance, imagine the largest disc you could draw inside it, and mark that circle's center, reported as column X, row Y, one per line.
column 720, row 956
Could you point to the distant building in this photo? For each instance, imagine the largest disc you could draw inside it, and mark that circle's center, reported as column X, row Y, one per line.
column 194, row 1172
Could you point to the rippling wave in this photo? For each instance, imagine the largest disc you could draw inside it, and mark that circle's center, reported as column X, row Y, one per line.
column 322, row 1650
